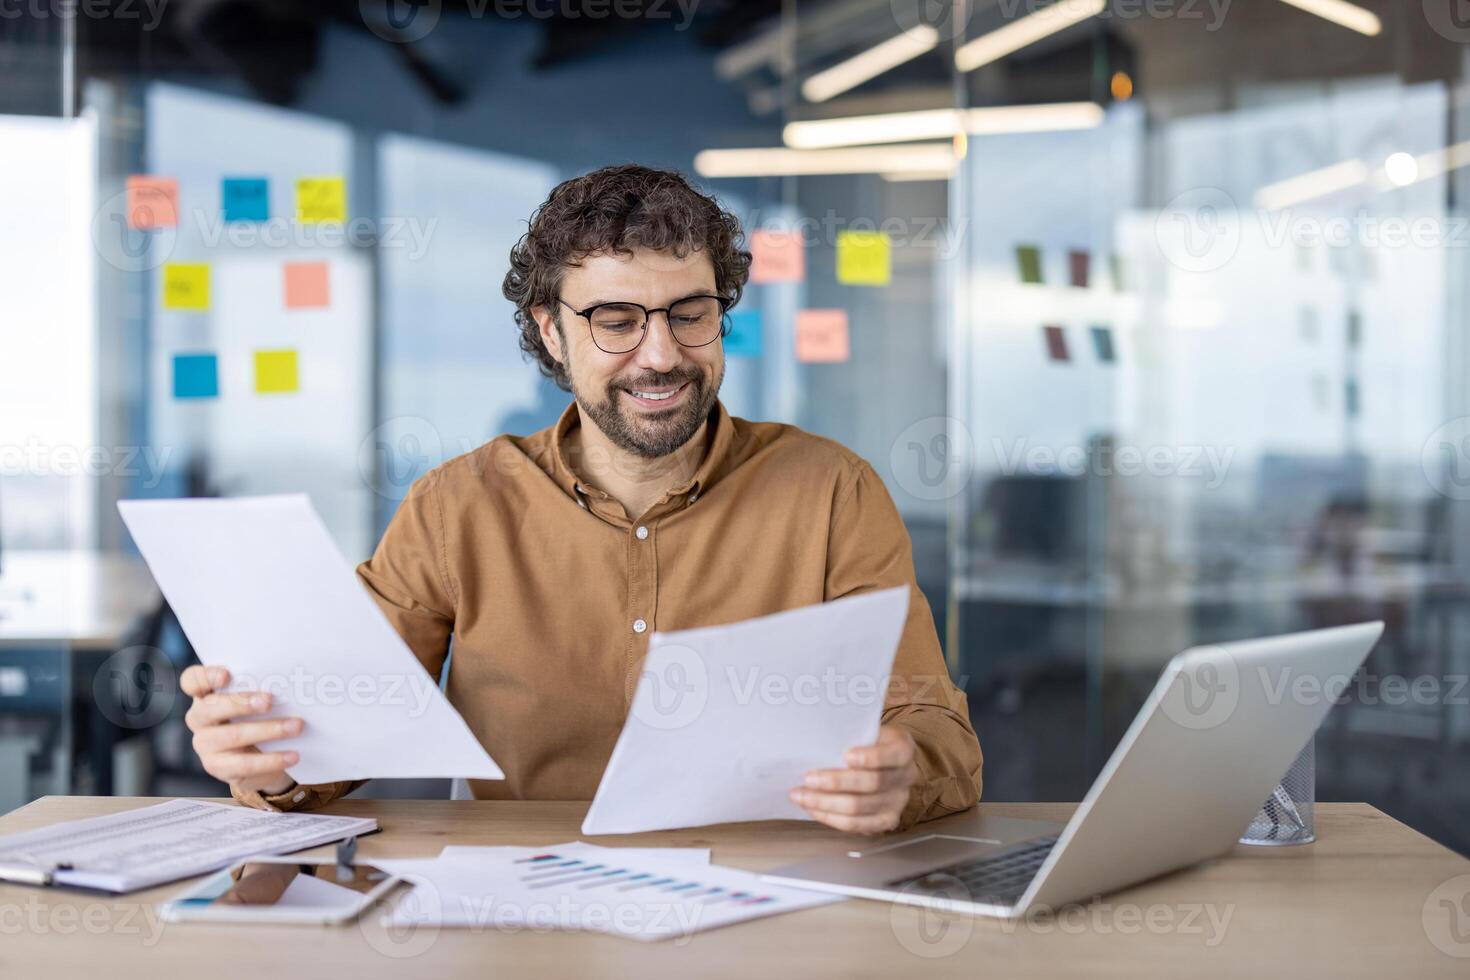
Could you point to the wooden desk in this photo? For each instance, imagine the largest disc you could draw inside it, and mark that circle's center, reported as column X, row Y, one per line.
column 80, row 600
column 58, row 608
column 1351, row 905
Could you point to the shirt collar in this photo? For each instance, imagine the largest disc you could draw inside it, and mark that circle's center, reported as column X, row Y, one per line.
column 719, row 438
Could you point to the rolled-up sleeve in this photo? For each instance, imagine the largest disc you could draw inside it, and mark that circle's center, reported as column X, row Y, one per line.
column 869, row 549
column 409, row 579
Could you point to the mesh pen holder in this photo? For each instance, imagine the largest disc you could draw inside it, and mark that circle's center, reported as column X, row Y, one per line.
column 1286, row 816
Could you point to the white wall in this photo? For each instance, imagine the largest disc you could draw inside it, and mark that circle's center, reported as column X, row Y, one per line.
column 48, row 334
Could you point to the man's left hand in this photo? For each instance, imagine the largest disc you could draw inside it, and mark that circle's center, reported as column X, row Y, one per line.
column 869, row 795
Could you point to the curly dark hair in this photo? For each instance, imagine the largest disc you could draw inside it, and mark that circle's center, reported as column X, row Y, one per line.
column 616, row 209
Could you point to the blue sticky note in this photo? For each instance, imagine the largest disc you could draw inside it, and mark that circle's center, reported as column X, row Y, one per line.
column 196, row 376
column 744, row 339
column 245, row 198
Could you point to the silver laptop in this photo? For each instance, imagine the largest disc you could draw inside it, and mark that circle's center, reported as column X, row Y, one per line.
column 1208, row 747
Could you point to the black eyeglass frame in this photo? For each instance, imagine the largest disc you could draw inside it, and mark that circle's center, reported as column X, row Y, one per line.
column 725, row 325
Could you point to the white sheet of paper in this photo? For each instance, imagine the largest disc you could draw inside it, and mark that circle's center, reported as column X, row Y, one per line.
column 639, row 893
column 260, row 589
column 690, row 855
column 727, row 719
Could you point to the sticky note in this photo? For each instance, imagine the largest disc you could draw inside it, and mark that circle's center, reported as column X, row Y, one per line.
column 864, row 258
column 745, row 337
column 1056, row 344
column 275, row 372
column 186, row 286
column 1102, row 344
column 306, row 285
column 1028, row 261
column 776, row 256
column 821, row 336
column 1078, row 266
column 321, row 199
column 245, row 198
column 196, row 376
column 153, row 202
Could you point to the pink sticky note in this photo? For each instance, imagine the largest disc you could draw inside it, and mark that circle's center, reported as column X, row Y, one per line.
column 153, row 202
column 776, row 256
column 306, row 285
column 821, row 336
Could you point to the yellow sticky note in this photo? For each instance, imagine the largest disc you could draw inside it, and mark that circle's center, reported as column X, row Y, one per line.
column 864, row 258
column 275, row 372
column 321, row 199
column 186, row 286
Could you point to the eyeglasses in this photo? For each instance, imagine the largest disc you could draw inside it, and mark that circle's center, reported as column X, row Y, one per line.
column 618, row 328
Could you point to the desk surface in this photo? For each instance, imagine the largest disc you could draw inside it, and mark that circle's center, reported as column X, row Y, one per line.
column 1353, row 904
column 83, row 599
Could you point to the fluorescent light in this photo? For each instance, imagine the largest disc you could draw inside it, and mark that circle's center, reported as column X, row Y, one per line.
column 1342, row 13
column 1317, row 183
column 778, row 161
column 906, row 176
column 1426, row 166
column 888, row 127
column 1025, row 32
column 1401, row 169
column 870, row 64
column 994, row 120
column 902, row 127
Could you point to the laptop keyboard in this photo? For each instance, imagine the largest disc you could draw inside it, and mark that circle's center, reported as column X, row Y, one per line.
column 997, row 879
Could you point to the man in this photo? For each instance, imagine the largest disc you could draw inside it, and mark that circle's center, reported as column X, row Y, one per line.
column 552, row 558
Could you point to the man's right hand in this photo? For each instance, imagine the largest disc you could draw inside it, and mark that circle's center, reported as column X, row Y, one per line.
column 226, row 742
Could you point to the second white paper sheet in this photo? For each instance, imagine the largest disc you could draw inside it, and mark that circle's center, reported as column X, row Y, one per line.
column 260, row 589
column 727, row 719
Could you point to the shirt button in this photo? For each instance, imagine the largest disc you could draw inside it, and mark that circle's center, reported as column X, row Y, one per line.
column 639, row 626
column 642, row 533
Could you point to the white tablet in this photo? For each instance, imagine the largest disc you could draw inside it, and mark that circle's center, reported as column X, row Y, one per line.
column 281, row 889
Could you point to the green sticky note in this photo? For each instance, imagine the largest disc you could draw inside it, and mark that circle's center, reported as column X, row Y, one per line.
column 1028, row 260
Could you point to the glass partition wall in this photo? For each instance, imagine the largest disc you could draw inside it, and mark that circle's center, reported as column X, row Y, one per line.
column 1193, row 371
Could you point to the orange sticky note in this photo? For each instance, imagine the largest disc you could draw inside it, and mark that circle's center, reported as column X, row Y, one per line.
column 153, row 202
column 821, row 336
column 275, row 372
column 306, row 285
column 776, row 256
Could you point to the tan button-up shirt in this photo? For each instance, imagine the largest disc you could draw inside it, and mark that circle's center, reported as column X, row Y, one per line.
column 551, row 593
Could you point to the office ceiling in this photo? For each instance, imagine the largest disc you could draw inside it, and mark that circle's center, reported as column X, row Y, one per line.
column 1190, row 58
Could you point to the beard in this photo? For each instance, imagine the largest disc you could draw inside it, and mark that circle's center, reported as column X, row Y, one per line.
column 656, row 434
